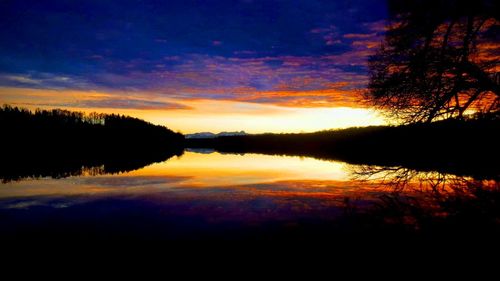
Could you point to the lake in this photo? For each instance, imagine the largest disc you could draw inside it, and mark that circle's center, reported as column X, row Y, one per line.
column 202, row 194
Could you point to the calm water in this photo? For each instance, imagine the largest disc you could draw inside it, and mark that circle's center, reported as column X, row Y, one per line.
column 196, row 195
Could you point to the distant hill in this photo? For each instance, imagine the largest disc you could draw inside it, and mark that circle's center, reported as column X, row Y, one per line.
column 209, row 135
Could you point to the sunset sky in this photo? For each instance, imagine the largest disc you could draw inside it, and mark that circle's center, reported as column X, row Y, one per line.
column 258, row 66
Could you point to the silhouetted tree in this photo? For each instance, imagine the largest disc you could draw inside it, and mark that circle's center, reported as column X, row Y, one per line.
column 439, row 59
column 61, row 143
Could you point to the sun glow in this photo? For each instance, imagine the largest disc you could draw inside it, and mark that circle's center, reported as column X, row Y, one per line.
column 196, row 115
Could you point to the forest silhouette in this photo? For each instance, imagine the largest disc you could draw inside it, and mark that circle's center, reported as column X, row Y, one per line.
column 61, row 143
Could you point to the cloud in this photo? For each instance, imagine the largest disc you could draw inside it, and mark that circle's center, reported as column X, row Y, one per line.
column 129, row 104
column 358, row 35
column 87, row 99
column 377, row 26
column 307, row 81
column 313, row 98
column 42, row 80
column 118, row 103
column 131, row 181
column 330, row 34
column 222, row 51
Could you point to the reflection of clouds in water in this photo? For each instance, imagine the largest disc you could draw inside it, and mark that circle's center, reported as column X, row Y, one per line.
column 282, row 200
column 191, row 209
column 314, row 188
column 200, row 150
column 129, row 181
column 24, row 204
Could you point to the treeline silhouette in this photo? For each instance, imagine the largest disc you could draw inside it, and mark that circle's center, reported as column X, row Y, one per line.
column 60, row 143
column 450, row 146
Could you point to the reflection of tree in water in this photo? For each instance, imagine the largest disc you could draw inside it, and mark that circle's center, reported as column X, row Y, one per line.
column 62, row 166
column 432, row 202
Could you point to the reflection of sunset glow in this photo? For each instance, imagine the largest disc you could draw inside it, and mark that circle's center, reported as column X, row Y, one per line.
column 259, row 175
column 248, row 188
column 217, row 169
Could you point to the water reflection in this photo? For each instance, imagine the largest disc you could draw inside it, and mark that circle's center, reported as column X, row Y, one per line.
column 61, row 165
column 216, row 169
column 252, row 173
column 202, row 195
column 433, row 204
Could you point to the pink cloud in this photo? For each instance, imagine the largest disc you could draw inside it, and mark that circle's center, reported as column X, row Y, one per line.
column 293, row 82
column 377, row 26
column 358, row 35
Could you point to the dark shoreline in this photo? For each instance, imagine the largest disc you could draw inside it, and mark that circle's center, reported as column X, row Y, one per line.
column 451, row 147
column 465, row 148
column 60, row 143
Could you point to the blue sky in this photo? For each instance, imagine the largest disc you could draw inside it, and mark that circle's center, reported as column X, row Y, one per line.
column 307, row 53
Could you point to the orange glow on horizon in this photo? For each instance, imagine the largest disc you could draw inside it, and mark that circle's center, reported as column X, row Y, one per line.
column 200, row 115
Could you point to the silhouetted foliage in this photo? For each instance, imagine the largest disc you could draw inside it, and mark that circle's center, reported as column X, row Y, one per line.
column 433, row 204
column 451, row 146
column 440, row 58
column 60, row 143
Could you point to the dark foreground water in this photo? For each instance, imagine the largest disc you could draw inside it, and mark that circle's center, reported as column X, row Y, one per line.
column 205, row 195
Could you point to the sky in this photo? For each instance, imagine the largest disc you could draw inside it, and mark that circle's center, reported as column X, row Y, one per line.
column 258, row 66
